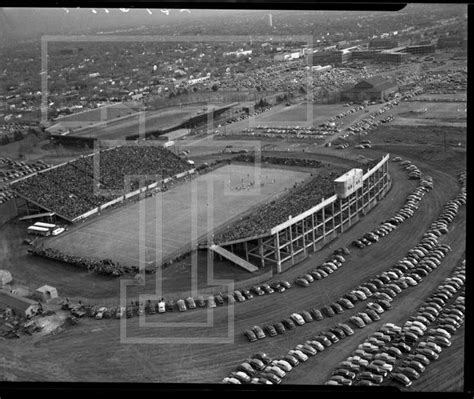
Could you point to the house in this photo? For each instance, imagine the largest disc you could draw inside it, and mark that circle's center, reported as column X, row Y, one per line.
column 372, row 89
column 21, row 306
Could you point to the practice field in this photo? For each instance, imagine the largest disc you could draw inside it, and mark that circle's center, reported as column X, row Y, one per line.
column 431, row 114
column 169, row 223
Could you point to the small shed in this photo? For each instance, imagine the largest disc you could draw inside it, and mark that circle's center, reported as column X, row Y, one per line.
column 5, row 277
column 21, row 306
column 46, row 293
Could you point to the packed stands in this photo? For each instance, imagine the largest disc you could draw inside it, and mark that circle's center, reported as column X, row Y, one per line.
column 307, row 163
column 277, row 211
column 69, row 190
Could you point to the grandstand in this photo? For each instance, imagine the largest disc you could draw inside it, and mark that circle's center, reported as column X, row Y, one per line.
column 89, row 184
column 282, row 232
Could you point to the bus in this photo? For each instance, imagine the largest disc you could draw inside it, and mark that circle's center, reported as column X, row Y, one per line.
column 39, row 231
column 46, row 225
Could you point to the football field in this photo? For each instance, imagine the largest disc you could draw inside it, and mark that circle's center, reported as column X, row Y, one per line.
column 160, row 227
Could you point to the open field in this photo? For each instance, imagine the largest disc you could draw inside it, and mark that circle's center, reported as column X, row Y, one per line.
column 430, row 114
column 171, row 222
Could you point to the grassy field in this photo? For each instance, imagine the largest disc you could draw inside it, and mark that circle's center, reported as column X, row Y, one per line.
column 431, row 114
column 159, row 227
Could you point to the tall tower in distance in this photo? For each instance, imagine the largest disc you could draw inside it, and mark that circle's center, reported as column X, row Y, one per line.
column 270, row 21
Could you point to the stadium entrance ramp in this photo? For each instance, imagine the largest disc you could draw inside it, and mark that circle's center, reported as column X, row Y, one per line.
column 233, row 258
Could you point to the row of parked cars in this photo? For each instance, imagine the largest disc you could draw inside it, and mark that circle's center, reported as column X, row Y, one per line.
column 181, row 305
column 397, row 353
column 406, row 211
column 334, row 262
column 272, row 371
column 421, row 260
column 413, row 172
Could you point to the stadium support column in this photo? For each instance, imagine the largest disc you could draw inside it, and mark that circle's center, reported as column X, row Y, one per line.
column 313, row 227
column 277, row 252
column 291, row 247
column 303, row 231
column 341, row 215
column 246, row 251
column 324, row 223
column 260, row 251
column 333, row 220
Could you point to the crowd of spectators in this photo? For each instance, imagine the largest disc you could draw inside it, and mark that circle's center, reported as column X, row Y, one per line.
column 100, row 266
column 306, row 163
column 269, row 215
column 72, row 189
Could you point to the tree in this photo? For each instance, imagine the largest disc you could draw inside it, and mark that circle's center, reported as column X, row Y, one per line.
column 4, row 140
column 17, row 135
column 215, row 87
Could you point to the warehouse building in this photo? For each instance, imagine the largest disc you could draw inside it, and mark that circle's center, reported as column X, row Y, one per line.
column 391, row 57
column 421, row 49
column 372, row 89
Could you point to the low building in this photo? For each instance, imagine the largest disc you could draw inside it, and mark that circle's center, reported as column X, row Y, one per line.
column 371, row 89
column 391, row 57
column 421, row 49
column 19, row 305
column 46, row 293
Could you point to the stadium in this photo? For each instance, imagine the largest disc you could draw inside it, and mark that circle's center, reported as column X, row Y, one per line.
column 111, row 196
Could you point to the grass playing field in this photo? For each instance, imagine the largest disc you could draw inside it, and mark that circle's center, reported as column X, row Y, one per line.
column 164, row 225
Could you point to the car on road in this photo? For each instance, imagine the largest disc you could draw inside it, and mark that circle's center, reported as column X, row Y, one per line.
column 316, row 314
column 328, row 311
column 247, row 369
column 302, row 282
column 282, row 364
column 181, row 305
column 298, row 354
column 297, row 318
column 337, row 308
column 241, row 376
column 401, row 378
column 250, row 335
column 409, row 372
column 258, row 291
column 316, row 344
column 347, row 330
column 292, row 360
column 238, row 296
column 258, row 332
column 306, row 349
column 275, row 370
column 190, row 303
column 306, row 316
column 288, row 323
column 367, row 375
